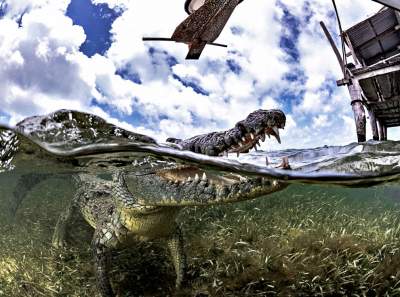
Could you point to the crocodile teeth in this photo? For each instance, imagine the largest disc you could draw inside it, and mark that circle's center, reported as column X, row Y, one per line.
column 204, row 177
column 277, row 136
column 252, row 135
column 258, row 131
column 196, row 177
column 189, row 179
column 240, row 144
column 243, row 139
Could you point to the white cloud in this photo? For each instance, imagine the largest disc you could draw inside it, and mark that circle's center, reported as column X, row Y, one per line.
column 258, row 56
column 113, row 4
column 39, row 63
column 352, row 12
column 17, row 7
column 270, row 103
column 43, row 70
column 3, row 120
column 321, row 121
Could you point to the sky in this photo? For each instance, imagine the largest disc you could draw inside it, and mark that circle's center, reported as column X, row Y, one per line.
column 88, row 55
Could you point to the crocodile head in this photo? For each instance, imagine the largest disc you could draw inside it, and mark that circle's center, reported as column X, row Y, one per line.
column 169, row 183
column 245, row 135
column 159, row 181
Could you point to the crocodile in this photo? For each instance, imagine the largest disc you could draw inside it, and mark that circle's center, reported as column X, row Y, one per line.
column 143, row 201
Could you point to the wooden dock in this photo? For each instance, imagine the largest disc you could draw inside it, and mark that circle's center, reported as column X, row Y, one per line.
column 373, row 74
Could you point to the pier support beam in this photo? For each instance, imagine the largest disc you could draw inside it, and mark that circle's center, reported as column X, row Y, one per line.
column 382, row 131
column 374, row 126
column 358, row 110
column 359, row 117
column 385, row 136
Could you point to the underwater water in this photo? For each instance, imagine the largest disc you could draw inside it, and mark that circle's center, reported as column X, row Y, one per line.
column 334, row 231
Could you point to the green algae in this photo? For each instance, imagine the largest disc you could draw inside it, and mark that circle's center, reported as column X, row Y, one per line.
column 304, row 241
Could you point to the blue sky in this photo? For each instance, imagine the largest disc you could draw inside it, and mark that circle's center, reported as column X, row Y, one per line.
column 88, row 55
column 96, row 20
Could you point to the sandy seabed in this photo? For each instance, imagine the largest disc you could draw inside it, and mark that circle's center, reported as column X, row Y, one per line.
column 304, row 241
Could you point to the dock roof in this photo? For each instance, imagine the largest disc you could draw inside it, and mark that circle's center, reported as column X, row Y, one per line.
column 376, row 38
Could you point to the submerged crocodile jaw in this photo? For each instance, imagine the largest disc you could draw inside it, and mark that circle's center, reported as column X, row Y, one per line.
column 189, row 186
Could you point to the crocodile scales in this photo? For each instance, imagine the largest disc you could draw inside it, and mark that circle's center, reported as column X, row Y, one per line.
column 142, row 202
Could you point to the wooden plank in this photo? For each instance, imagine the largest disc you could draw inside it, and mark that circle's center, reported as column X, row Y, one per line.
column 388, row 107
column 377, row 39
column 380, row 129
column 385, row 86
column 384, row 107
column 374, row 126
column 390, row 104
column 394, row 125
column 389, row 62
column 388, row 111
column 334, row 47
column 377, row 72
column 391, row 121
column 387, row 116
column 398, row 16
column 392, row 114
column 369, row 89
column 352, row 51
column 361, row 33
column 384, row 103
column 395, row 78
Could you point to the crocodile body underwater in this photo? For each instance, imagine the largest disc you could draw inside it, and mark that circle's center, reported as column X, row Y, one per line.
column 141, row 202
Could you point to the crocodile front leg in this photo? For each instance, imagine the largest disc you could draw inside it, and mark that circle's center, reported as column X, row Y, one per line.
column 174, row 240
column 60, row 232
column 176, row 248
column 103, row 243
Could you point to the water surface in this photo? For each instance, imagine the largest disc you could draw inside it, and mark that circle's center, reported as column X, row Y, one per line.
column 333, row 232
